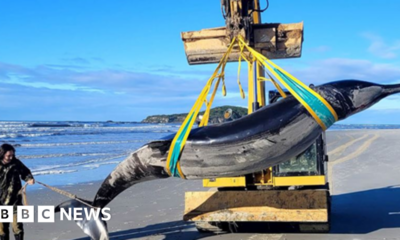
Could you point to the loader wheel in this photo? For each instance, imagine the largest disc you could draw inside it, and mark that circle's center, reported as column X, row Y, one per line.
column 210, row 227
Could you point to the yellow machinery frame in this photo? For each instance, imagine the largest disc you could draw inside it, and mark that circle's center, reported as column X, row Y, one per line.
column 264, row 177
column 305, row 207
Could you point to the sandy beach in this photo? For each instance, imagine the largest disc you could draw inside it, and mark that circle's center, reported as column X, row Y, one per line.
column 364, row 177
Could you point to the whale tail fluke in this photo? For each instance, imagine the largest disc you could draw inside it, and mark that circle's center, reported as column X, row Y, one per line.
column 94, row 226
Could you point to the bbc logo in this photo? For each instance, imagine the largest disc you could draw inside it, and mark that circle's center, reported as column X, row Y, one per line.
column 26, row 214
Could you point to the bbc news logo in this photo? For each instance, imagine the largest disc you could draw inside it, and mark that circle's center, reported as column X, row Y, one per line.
column 26, row 214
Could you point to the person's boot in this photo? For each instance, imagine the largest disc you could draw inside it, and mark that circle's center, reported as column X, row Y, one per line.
column 19, row 236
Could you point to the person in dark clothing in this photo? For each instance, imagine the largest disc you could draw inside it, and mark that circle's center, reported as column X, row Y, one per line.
column 12, row 171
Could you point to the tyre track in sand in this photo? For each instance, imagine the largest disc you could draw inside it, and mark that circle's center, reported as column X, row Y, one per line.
column 341, row 148
column 351, row 156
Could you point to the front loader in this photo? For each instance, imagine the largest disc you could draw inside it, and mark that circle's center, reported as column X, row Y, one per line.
column 295, row 191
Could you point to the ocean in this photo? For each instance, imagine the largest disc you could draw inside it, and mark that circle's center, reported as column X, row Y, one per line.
column 69, row 152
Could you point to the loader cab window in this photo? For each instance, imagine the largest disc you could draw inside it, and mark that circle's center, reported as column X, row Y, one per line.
column 305, row 162
column 308, row 163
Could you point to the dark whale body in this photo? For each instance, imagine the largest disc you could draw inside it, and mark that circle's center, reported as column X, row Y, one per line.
column 260, row 140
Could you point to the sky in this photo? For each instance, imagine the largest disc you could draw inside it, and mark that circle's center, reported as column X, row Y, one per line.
column 97, row 60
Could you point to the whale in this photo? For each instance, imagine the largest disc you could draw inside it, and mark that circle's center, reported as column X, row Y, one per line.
column 269, row 136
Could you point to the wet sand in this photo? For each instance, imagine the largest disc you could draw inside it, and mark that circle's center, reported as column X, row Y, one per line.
column 365, row 183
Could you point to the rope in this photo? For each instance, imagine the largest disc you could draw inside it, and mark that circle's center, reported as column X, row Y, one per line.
column 65, row 193
column 23, row 193
column 54, row 189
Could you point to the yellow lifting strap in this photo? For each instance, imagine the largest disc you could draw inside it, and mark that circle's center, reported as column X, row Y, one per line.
column 173, row 166
column 317, row 106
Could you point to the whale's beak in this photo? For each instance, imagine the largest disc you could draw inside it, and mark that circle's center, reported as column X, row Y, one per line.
column 94, row 227
column 392, row 89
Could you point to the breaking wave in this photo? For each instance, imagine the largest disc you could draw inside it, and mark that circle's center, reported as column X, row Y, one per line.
column 34, row 145
column 43, row 130
column 99, row 161
column 37, row 173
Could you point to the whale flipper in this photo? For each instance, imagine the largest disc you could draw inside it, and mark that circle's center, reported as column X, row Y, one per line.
column 95, row 227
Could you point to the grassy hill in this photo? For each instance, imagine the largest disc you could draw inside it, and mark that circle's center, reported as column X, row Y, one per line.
column 216, row 115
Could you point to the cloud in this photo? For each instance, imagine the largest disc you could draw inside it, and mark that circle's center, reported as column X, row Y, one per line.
column 374, row 116
column 27, row 103
column 333, row 69
column 52, row 93
column 98, row 59
column 389, row 104
column 174, row 82
column 76, row 60
column 319, row 72
column 380, row 48
column 320, row 49
column 65, row 66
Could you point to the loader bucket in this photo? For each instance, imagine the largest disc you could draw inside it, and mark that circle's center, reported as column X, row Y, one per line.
column 273, row 40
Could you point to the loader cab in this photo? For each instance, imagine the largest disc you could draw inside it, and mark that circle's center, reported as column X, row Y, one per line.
column 312, row 162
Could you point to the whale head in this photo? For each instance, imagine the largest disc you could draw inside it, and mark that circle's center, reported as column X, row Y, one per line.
column 348, row 97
